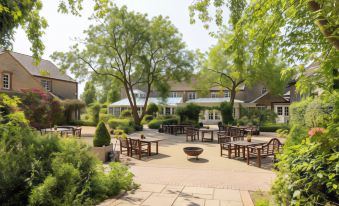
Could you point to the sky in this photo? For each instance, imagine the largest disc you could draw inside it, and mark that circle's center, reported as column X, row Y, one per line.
column 63, row 28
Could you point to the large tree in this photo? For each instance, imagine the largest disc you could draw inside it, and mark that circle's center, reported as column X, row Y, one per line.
column 137, row 51
column 89, row 95
column 26, row 14
column 300, row 31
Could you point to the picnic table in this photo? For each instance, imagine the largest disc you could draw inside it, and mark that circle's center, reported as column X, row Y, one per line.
column 149, row 141
column 61, row 131
column 244, row 144
column 206, row 131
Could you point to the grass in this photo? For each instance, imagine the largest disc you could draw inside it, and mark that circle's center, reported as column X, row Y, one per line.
column 261, row 198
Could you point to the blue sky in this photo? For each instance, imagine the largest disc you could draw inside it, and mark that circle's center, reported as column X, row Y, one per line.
column 63, row 29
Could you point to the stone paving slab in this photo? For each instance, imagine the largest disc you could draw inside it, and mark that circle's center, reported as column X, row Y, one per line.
column 172, row 195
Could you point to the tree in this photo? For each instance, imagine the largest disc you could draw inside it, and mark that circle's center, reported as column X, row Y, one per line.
column 26, row 14
column 299, row 31
column 135, row 50
column 89, row 94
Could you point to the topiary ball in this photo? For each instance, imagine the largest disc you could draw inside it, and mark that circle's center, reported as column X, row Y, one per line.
column 102, row 136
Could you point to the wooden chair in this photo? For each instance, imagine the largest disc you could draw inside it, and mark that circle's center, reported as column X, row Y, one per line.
column 192, row 133
column 77, row 132
column 124, row 144
column 271, row 148
column 138, row 147
column 230, row 148
column 223, row 137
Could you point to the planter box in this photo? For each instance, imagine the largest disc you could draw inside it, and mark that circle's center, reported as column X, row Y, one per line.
column 102, row 152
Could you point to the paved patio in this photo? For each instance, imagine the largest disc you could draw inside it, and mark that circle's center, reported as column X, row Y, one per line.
column 211, row 180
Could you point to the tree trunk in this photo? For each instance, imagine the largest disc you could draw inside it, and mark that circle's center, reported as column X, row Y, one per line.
column 322, row 23
column 233, row 93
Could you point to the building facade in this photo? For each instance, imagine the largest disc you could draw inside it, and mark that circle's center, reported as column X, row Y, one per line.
column 182, row 93
column 18, row 72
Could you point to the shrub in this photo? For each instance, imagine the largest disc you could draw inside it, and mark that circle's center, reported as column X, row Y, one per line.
column 70, row 106
column 125, row 124
column 105, row 117
column 126, row 114
column 226, row 111
column 103, row 111
column 152, row 109
column 297, row 112
column 189, row 112
column 95, row 111
column 273, row 127
column 83, row 123
column 258, row 117
column 101, row 136
column 318, row 112
column 155, row 123
column 47, row 170
column 147, row 118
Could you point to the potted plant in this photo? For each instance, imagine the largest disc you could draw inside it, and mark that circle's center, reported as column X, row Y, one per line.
column 55, row 127
column 249, row 138
column 102, row 142
column 142, row 136
column 117, row 135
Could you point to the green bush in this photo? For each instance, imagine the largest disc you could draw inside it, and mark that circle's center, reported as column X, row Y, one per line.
column 126, row 114
column 297, row 112
column 105, row 117
column 48, row 170
column 95, row 111
column 258, row 117
column 152, row 109
column 125, row 124
column 318, row 112
column 189, row 112
column 273, row 127
column 147, row 118
column 226, row 111
column 155, row 123
column 103, row 111
column 101, row 136
column 83, row 123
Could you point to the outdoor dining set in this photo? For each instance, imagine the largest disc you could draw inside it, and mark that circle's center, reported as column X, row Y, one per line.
column 63, row 130
column 139, row 145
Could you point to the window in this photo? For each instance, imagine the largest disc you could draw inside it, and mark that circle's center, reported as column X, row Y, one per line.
column 210, row 115
column 192, row 95
column 216, row 115
column 279, row 110
column 116, row 111
column 263, row 90
column 286, row 111
column 213, row 95
column 46, row 84
column 6, row 81
column 173, row 94
column 227, row 94
column 167, row 111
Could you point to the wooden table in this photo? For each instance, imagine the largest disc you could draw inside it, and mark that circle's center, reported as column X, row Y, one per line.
column 149, row 141
column 204, row 131
column 244, row 144
column 58, row 130
column 175, row 129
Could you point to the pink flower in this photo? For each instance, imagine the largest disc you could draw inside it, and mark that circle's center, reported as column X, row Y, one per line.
column 316, row 130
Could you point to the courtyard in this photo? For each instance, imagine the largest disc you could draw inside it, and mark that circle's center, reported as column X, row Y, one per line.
column 172, row 178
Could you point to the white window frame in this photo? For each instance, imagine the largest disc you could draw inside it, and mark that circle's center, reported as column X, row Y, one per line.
column 263, row 90
column 173, row 94
column 45, row 84
column 168, row 111
column 8, row 75
column 226, row 94
column 214, row 95
column 286, row 111
column 217, row 115
column 192, row 95
column 279, row 113
column 210, row 115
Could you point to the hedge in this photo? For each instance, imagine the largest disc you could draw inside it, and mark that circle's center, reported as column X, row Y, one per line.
column 273, row 127
column 101, row 137
column 83, row 123
column 124, row 124
column 155, row 123
column 147, row 118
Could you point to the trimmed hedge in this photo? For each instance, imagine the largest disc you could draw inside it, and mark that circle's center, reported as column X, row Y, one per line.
column 83, row 123
column 124, row 124
column 105, row 117
column 273, row 127
column 155, row 123
column 101, row 137
column 147, row 118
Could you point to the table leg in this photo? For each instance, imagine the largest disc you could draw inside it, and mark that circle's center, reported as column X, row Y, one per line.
column 202, row 136
column 212, row 135
column 157, row 147
column 149, row 149
column 243, row 152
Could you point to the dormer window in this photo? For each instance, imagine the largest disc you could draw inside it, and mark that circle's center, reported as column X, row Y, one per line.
column 173, row 94
column 6, row 81
column 47, row 84
column 263, row 90
column 192, row 95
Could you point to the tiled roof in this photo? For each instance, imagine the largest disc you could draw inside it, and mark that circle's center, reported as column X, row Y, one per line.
column 172, row 101
column 212, row 100
column 44, row 69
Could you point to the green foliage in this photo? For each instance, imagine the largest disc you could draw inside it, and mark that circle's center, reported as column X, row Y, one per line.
column 297, row 112
column 155, row 123
column 41, row 109
column 318, row 112
column 273, row 127
column 95, row 112
column 152, row 109
column 71, row 105
column 124, row 124
column 47, row 170
column 101, row 136
column 189, row 112
column 147, row 118
column 153, row 52
column 89, row 95
column 257, row 116
column 105, row 117
column 226, row 111
column 126, row 114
